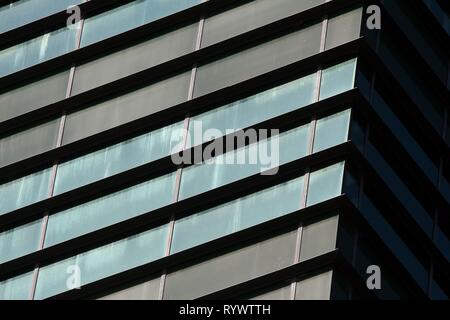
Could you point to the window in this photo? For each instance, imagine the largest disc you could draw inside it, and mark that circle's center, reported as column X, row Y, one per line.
column 258, row 60
column 37, row 50
column 20, row 241
column 22, row 12
column 126, row 108
column 231, row 268
column 258, row 108
column 318, row 238
column 29, row 142
column 17, row 288
column 343, row 28
column 249, row 16
column 118, row 158
column 129, row 16
column 24, row 191
column 104, row 261
column 331, row 131
column 134, row 59
column 244, row 162
column 338, row 79
column 314, row 288
column 237, row 215
column 148, row 290
column 33, row 96
column 110, row 209
column 325, row 184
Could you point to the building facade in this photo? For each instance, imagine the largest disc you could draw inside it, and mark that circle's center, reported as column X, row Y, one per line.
column 115, row 181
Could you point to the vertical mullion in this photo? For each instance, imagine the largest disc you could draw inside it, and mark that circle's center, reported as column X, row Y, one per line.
column 180, row 171
column 312, row 132
column 56, row 163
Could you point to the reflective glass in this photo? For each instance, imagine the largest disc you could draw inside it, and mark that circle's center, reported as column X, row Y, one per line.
column 20, row 241
column 103, row 261
column 37, row 50
column 129, row 16
column 338, row 79
column 24, row 191
column 110, row 209
column 325, row 184
column 235, row 165
column 118, row 158
column 22, row 12
column 257, row 108
column 331, row 131
column 237, row 215
column 17, row 288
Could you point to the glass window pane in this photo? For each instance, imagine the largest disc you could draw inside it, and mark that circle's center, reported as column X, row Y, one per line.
column 278, row 294
column 232, row 268
column 110, row 209
column 19, row 13
column 17, row 288
column 318, row 238
column 20, row 241
column 102, row 262
column 258, row 60
column 338, row 79
column 237, row 215
column 148, row 290
column 129, row 16
column 244, row 162
column 33, row 96
column 331, row 131
column 258, row 108
column 134, row 59
column 325, row 184
column 250, row 16
column 343, row 28
column 37, row 50
column 118, row 158
column 126, row 108
column 29, row 142
column 24, row 191
column 315, row 288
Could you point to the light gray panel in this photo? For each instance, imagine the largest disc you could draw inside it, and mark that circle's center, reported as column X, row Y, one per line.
column 315, row 288
column 33, row 96
column 343, row 28
column 258, row 60
column 126, row 108
column 134, row 59
column 148, row 290
column 232, row 268
column 251, row 16
column 278, row 294
column 28, row 143
column 319, row 238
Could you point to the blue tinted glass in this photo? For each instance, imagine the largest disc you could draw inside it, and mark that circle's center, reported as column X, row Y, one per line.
column 331, row 131
column 128, row 17
column 24, row 191
column 325, row 184
column 17, row 288
column 338, row 79
column 258, row 108
column 23, row 12
column 110, row 209
column 37, row 50
column 237, row 215
column 102, row 262
column 118, row 158
column 20, row 241
column 244, row 162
